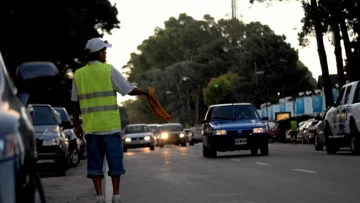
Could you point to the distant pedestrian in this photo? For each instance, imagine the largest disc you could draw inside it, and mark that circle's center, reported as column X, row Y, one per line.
column 294, row 127
column 94, row 97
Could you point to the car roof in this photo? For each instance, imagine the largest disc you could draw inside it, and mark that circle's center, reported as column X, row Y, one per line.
column 230, row 104
column 138, row 124
column 43, row 105
column 153, row 124
column 172, row 124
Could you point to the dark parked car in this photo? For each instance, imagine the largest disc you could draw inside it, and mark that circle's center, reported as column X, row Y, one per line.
column 51, row 143
column 172, row 133
column 74, row 148
column 230, row 127
column 19, row 179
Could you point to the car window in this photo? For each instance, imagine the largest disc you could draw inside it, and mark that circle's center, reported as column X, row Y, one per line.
column 347, row 94
column 236, row 112
column 153, row 128
column 357, row 94
column 137, row 129
column 172, row 128
column 341, row 94
column 63, row 115
column 43, row 116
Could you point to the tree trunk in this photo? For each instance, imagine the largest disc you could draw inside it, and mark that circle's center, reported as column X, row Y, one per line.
column 322, row 54
column 338, row 53
column 349, row 58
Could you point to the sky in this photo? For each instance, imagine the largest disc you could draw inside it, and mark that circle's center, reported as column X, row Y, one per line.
column 139, row 18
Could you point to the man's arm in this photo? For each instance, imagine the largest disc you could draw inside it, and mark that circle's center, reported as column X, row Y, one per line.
column 124, row 87
column 75, row 104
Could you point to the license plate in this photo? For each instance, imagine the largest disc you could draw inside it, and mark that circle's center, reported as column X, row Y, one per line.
column 240, row 141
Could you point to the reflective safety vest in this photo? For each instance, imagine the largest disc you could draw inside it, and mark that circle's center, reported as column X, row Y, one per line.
column 97, row 98
column 293, row 126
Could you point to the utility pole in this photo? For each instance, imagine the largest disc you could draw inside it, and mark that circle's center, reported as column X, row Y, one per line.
column 234, row 9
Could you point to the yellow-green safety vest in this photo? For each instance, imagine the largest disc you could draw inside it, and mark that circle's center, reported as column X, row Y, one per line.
column 293, row 126
column 97, row 98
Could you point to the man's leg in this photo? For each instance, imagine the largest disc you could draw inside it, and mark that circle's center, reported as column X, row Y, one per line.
column 114, row 156
column 95, row 151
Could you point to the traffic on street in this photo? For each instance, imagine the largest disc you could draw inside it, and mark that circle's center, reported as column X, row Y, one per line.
column 290, row 173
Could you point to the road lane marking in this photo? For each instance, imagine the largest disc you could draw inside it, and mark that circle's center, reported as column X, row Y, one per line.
column 237, row 160
column 303, row 170
column 261, row 163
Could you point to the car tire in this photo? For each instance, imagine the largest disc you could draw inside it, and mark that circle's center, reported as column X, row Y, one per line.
column 183, row 144
column 74, row 157
column 212, row 152
column 355, row 139
column 264, row 150
column 254, row 151
column 205, row 151
column 191, row 143
column 125, row 149
column 317, row 145
column 152, row 147
column 331, row 147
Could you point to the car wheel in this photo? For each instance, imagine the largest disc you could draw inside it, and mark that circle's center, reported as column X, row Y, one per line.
column 254, row 151
column 152, row 147
column 331, row 147
column 205, row 151
column 183, row 144
column 318, row 146
column 191, row 143
column 74, row 157
column 212, row 152
column 355, row 139
column 264, row 150
column 125, row 149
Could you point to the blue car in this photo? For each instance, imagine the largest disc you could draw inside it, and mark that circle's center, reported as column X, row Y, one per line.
column 231, row 127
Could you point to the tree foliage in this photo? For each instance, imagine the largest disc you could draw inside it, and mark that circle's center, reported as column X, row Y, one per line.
column 185, row 59
column 54, row 31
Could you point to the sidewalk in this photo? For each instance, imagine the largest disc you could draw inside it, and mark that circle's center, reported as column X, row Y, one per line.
column 75, row 187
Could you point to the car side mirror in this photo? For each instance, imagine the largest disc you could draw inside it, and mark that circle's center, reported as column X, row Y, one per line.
column 265, row 118
column 33, row 75
column 66, row 125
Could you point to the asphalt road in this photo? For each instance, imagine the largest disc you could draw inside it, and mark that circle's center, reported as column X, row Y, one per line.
column 291, row 173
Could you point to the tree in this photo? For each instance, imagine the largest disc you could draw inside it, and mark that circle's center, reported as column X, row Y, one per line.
column 313, row 21
column 53, row 31
column 220, row 89
column 181, row 59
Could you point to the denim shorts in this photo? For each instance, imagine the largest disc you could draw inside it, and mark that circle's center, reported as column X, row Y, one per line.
column 99, row 146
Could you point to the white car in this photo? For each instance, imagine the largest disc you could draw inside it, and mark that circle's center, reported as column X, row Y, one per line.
column 342, row 121
column 138, row 136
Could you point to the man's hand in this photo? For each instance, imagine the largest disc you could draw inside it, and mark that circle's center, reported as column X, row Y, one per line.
column 78, row 132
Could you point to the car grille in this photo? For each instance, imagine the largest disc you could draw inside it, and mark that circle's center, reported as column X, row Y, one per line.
column 138, row 138
column 239, row 132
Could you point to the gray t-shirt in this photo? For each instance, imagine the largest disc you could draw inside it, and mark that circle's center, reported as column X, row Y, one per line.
column 120, row 85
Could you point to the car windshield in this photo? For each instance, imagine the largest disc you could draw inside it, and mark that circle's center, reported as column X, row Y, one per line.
column 63, row 114
column 43, row 116
column 137, row 129
column 172, row 128
column 234, row 112
column 152, row 128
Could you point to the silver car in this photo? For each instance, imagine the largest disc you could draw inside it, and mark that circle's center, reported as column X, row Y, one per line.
column 138, row 136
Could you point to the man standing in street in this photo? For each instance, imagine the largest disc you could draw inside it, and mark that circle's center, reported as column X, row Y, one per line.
column 294, row 130
column 94, row 96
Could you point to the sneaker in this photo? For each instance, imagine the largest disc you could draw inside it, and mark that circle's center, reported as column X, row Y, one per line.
column 100, row 199
column 116, row 199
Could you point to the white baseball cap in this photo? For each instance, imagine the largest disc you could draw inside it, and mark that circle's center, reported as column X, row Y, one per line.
column 96, row 44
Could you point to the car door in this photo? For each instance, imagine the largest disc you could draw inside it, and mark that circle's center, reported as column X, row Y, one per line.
column 354, row 109
column 341, row 111
column 333, row 113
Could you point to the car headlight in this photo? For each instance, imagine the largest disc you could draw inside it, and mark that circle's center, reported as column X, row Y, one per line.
column 127, row 139
column 164, row 135
column 182, row 135
column 147, row 138
column 259, row 130
column 51, row 142
column 219, row 132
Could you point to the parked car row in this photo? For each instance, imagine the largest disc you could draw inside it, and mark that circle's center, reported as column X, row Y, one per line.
column 56, row 142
